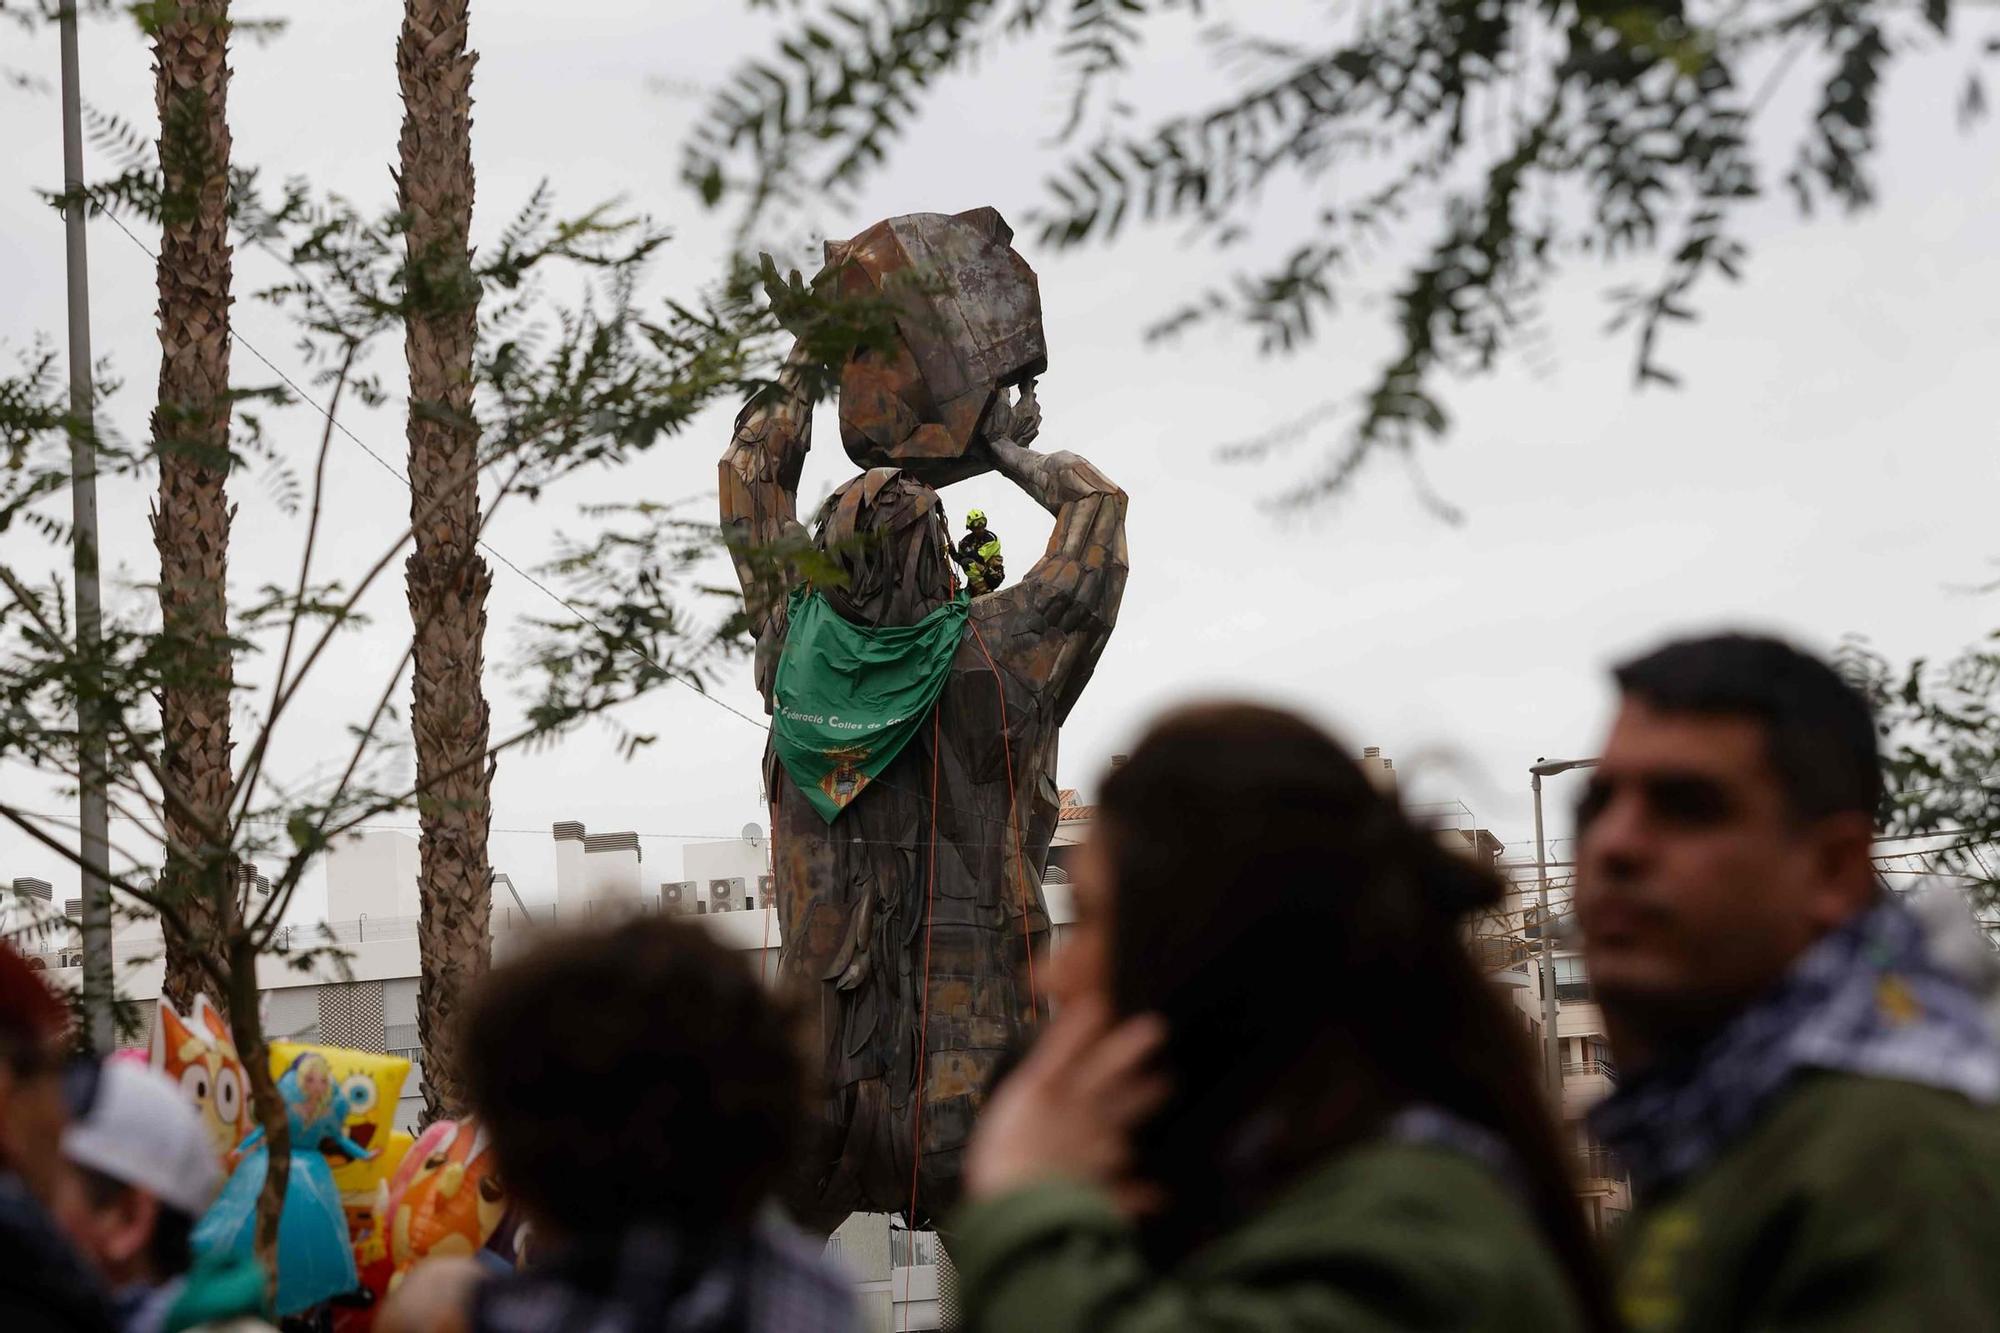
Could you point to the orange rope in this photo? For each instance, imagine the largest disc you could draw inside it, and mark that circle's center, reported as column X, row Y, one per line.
column 1013, row 818
column 924, row 1004
column 764, row 958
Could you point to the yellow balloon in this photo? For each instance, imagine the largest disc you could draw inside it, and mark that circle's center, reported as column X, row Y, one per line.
column 372, row 1084
column 395, row 1151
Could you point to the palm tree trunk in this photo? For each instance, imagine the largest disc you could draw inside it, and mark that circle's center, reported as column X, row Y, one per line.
column 447, row 579
column 191, row 516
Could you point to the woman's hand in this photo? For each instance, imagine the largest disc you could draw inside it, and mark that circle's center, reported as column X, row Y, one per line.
column 1070, row 1109
column 433, row 1297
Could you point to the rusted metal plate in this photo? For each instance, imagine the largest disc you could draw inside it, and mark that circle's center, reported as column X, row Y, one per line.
column 971, row 324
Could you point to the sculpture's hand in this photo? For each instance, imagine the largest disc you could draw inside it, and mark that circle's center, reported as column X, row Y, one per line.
column 1027, row 417
column 1015, row 422
column 793, row 303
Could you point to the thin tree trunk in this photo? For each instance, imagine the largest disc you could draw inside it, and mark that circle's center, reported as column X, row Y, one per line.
column 447, row 579
column 246, row 1026
column 191, row 516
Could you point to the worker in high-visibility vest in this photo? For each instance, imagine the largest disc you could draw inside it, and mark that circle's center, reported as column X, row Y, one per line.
column 979, row 554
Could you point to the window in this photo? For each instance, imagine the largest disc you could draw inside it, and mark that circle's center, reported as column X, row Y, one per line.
column 1572, row 982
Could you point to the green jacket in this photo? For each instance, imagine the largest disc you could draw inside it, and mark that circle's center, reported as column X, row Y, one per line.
column 1858, row 1203
column 220, row 1294
column 1385, row 1237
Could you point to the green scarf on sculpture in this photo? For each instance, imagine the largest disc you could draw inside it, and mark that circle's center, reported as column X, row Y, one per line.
column 848, row 698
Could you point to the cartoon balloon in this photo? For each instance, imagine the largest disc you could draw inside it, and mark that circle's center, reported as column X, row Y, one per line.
column 315, row 1255
column 371, row 1085
column 446, row 1198
column 198, row 1053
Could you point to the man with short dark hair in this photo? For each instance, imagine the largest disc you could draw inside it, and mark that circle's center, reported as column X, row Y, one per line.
column 644, row 1095
column 44, row 1285
column 1808, row 1112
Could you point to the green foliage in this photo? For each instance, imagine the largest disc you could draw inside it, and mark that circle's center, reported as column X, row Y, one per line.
column 1460, row 153
column 575, row 369
column 1940, row 725
column 629, row 626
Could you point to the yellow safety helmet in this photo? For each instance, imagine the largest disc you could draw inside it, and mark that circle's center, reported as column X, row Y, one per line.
column 975, row 518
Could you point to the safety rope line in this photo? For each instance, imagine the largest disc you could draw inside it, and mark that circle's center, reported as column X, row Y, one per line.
column 764, row 958
column 924, row 1002
column 1013, row 819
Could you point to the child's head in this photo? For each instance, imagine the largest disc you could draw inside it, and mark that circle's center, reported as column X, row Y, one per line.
column 636, row 1073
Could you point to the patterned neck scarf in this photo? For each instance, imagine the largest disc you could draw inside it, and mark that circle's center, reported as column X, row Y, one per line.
column 1869, row 999
column 769, row 1279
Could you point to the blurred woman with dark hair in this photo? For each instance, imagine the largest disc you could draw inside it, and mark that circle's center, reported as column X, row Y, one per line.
column 1278, row 1094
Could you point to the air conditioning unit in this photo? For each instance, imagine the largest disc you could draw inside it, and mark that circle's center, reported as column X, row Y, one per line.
column 726, row 895
column 678, row 896
column 767, row 890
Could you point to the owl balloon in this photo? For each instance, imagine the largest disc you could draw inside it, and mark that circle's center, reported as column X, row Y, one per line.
column 198, row 1053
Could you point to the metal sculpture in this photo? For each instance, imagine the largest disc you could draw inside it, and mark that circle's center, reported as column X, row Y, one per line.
column 910, row 920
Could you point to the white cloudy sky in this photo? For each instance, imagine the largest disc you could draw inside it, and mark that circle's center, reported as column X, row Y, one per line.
column 1829, row 469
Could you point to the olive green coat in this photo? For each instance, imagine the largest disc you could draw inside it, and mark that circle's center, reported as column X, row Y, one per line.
column 1385, row 1237
column 1856, row 1204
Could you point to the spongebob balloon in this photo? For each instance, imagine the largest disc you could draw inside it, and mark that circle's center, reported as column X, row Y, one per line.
column 371, row 1084
column 198, row 1053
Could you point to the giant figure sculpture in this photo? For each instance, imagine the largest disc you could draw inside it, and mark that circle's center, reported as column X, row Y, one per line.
column 910, row 919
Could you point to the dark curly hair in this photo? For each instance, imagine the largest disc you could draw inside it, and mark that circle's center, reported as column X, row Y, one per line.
column 637, row 1073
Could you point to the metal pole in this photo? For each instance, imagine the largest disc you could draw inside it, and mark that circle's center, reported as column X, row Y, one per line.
column 1551, row 1043
column 94, row 816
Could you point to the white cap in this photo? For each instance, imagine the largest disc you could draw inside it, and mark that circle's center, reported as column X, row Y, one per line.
column 142, row 1131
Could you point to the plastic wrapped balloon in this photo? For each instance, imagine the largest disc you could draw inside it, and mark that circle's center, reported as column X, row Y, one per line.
column 198, row 1053
column 368, row 1231
column 315, row 1256
column 372, row 1085
column 446, row 1198
column 366, row 1225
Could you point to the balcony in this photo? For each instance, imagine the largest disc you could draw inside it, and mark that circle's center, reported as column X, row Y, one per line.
column 1598, row 1168
column 1585, row 1083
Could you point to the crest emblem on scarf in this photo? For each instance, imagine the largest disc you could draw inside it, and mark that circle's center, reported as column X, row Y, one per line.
column 845, row 780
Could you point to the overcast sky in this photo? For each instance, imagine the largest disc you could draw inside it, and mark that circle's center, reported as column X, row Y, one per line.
column 1830, row 468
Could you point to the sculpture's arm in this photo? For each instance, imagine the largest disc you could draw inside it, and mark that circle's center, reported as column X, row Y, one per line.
column 1054, row 623
column 759, row 482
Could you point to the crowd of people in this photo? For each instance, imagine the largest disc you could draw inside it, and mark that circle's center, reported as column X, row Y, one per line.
column 1276, row 1093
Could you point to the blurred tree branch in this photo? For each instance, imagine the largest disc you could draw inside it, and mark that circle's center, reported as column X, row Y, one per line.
column 1442, row 160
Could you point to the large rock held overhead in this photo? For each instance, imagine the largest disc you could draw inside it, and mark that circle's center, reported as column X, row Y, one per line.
column 970, row 324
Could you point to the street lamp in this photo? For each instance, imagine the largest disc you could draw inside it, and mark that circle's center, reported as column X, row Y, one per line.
column 1551, row 1043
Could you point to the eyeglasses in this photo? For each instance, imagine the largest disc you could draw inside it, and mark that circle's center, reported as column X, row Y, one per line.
column 80, row 1078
